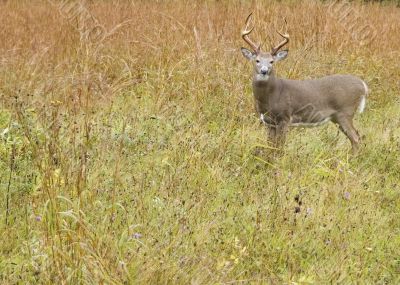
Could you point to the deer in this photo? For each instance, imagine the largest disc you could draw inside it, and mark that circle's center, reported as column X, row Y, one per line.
column 284, row 103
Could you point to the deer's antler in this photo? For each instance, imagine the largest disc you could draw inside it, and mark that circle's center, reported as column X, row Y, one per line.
column 274, row 50
column 245, row 35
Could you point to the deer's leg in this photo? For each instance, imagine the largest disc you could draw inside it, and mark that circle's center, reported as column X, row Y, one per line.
column 281, row 131
column 346, row 126
column 272, row 134
column 277, row 134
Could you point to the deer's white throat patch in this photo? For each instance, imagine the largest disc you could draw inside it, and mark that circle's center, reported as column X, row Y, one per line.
column 262, row 77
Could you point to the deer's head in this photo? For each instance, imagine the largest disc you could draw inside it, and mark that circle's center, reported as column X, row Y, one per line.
column 263, row 61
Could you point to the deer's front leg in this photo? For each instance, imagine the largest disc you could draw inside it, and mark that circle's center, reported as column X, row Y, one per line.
column 272, row 134
column 277, row 133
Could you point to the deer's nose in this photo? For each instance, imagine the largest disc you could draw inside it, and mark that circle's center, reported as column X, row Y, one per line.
column 264, row 70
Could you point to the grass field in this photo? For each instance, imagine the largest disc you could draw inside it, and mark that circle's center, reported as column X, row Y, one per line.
column 139, row 159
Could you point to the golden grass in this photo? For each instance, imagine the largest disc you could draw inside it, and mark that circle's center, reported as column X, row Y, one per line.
column 139, row 160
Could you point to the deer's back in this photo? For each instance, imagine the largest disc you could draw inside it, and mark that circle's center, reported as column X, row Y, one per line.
column 333, row 92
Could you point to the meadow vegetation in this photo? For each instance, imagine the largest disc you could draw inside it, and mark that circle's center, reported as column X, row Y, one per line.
column 140, row 160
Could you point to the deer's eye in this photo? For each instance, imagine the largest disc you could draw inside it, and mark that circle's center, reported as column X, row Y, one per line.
column 257, row 61
column 271, row 62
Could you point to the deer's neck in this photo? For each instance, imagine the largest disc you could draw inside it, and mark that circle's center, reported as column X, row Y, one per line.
column 263, row 89
column 267, row 94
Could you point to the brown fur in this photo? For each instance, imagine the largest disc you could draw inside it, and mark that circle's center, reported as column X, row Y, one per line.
column 287, row 103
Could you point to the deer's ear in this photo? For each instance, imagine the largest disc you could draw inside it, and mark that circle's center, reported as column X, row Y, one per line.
column 248, row 54
column 281, row 55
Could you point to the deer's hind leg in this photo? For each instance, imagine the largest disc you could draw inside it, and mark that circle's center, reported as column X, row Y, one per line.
column 345, row 123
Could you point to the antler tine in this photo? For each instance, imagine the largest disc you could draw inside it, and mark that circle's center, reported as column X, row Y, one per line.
column 245, row 35
column 281, row 44
column 274, row 50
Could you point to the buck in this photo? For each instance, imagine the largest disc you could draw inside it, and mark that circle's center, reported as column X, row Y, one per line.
column 283, row 103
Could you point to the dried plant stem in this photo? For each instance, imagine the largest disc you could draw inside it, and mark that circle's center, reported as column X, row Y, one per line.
column 12, row 163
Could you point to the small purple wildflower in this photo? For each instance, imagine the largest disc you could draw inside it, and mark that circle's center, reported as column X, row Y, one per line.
column 136, row 236
column 346, row 195
column 38, row 218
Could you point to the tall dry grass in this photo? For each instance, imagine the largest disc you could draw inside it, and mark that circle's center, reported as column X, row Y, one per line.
column 137, row 159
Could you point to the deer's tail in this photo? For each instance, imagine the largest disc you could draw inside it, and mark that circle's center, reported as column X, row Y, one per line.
column 363, row 100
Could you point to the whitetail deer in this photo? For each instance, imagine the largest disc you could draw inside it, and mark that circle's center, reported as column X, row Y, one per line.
column 282, row 103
